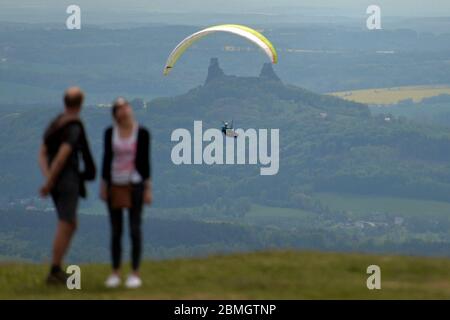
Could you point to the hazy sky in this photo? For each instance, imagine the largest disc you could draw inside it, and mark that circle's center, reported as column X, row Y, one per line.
column 48, row 10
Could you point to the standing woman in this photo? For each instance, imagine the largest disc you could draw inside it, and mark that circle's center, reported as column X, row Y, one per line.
column 126, row 185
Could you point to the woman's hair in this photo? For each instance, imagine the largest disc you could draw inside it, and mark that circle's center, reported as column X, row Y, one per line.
column 117, row 104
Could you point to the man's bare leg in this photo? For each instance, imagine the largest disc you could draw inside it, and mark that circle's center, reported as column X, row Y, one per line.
column 64, row 233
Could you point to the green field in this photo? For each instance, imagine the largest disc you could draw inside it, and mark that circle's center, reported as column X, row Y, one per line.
column 355, row 206
column 264, row 275
column 362, row 206
column 393, row 95
column 280, row 217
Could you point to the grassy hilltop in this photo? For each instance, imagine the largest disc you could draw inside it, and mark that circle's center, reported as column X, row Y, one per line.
column 263, row 275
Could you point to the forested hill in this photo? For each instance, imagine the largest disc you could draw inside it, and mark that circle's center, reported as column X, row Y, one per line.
column 326, row 145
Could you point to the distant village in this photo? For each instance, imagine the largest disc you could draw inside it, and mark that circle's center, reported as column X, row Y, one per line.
column 31, row 204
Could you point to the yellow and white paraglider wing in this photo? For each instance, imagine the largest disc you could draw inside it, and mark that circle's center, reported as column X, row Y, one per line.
column 243, row 31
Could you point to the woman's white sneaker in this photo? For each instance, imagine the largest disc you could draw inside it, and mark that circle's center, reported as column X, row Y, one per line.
column 133, row 281
column 113, row 281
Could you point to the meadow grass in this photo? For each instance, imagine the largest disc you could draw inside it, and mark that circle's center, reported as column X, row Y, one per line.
column 261, row 275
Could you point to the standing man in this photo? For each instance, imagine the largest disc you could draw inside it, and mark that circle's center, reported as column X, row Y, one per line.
column 63, row 143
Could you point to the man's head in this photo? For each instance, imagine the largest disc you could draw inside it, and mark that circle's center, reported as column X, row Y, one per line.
column 73, row 99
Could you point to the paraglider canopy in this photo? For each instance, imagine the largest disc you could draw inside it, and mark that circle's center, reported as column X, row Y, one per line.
column 240, row 30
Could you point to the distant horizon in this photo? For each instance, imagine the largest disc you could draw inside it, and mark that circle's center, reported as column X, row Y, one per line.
column 433, row 24
column 136, row 11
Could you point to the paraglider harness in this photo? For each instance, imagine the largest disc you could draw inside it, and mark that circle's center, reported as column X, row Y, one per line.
column 228, row 130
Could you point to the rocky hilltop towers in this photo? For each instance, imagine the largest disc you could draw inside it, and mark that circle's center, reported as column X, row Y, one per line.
column 216, row 72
